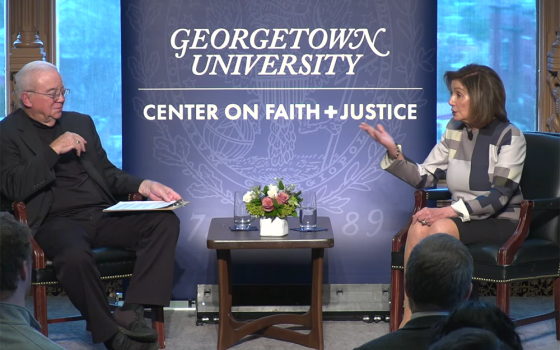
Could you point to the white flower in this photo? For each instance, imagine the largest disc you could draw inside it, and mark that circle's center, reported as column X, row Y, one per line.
column 272, row 191
column 247, row 197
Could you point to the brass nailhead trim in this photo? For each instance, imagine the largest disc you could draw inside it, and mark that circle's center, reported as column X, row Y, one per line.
column 497, row 281
column 513, row 279
column 115, row 277
column 43, row 283
column 128, row 275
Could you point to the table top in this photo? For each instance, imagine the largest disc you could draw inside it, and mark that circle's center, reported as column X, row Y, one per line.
column 221, row 237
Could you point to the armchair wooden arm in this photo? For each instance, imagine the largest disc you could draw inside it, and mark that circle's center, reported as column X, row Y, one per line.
column 39, row 258
column 20, row 214
column 507, row 252
column 135, row 196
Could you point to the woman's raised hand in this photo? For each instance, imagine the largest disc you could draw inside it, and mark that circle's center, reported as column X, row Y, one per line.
column 379, row 135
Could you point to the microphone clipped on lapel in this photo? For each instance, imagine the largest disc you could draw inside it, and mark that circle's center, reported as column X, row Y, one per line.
column 469, row 134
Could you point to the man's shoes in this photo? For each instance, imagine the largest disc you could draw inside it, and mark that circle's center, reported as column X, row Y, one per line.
column 133, row 324
column 121, row 342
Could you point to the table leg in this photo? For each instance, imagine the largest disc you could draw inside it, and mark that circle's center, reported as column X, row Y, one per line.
column 316, row 309
column 231, row 331
column 225, row 332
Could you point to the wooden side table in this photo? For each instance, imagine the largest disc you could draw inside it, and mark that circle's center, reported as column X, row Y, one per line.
column 223, row 240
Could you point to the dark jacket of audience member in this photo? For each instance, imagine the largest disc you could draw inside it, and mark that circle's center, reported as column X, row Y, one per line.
column 469, row 339
column 476, row 314
column 438, row 278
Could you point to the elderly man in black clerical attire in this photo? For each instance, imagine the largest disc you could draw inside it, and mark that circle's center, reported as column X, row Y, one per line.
column 55, row 163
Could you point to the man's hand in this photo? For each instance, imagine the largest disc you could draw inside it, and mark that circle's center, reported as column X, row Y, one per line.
column 427, row 216
column 157, row 192
column 67, row 142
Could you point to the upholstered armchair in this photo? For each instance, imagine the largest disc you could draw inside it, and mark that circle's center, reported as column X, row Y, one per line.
column 113, row 263
column 532, row 252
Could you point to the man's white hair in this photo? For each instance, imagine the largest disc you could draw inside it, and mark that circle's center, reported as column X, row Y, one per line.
column 24, row 78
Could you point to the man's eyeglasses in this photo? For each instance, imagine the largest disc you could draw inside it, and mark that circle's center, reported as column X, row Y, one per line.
column 55, row 95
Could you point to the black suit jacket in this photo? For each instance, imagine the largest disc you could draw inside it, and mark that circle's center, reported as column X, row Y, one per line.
column 415, row 335
column 27, row 166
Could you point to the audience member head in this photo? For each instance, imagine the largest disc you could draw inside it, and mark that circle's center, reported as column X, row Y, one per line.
column 486, row 93
column 438, row 274
column 15, row 258
column 469, row 339
column 476, row 314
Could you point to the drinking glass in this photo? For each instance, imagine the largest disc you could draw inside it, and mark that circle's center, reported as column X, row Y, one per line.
column 308, row 210
column 241, row 218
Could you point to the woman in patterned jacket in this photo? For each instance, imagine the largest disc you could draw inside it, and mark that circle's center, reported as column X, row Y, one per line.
column 481, row 154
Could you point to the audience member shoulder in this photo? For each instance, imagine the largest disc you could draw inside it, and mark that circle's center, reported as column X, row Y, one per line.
column 469, row 338
column 476, row 314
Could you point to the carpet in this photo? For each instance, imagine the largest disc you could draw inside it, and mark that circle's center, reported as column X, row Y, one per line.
column 183, row 334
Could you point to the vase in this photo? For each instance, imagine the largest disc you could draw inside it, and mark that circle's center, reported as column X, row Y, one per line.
column 275, row 227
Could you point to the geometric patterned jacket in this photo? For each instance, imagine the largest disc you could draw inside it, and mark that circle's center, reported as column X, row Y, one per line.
column 482, row 167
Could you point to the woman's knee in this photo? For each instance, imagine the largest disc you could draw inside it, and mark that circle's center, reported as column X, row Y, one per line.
column 444, row 226
column 418, row 232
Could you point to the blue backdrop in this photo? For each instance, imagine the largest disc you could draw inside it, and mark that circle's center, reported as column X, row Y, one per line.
column 220, row 95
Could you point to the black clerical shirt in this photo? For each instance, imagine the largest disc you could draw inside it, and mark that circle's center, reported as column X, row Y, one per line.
column 74, row 190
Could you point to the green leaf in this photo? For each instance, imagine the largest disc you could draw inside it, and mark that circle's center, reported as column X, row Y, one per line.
column 280, row 185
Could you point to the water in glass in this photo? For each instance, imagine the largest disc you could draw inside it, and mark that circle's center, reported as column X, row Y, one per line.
column 241, row 218
column 308, row 217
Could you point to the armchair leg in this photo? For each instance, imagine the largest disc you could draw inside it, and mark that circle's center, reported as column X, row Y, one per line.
column 159, row 325
column 556, row 294
column 502, row 296
column 40, row 308
column 397, row 299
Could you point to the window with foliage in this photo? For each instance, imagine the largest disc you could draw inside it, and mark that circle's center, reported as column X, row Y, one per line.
column 89, row 59
column 501, row 34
